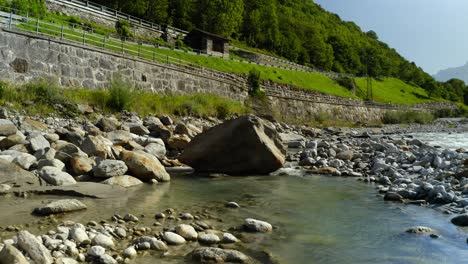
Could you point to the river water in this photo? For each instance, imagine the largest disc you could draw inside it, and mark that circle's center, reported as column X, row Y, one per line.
column 317, row 219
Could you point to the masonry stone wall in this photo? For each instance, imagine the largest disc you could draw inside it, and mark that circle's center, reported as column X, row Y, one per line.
column 25, row 58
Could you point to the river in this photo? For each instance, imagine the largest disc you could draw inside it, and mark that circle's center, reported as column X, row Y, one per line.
column 318, row 219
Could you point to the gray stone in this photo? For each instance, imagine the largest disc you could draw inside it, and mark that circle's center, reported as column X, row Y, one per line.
column 144, row 166
column 123, row 181
column 246, row 145
column 108, row 124
column 96, row 251
column 419, row 230
column 218, row 255
column 208, row 239
column 13, row 174
column 158, row 149
column 253, row 225
column 173, row 238
column 103, row 241
column 67, row 261
column 4, row 189
column 11, row 255
column 187, row 232
column 34, row 248
column 61, row 206
column 78, row 234
column 56, row 177
column 37, row 141
column 130, row 253
column 50, row 163
column 80, row 165
column 166, row 120
column 119, row 137
column 97, row 146
column 110, row 168
column 229, row 238
column 7, row 128
column 345, row 155
column 25, row 161
column 137, row 129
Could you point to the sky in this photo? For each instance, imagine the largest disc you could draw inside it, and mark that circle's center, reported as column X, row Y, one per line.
column 432, row 33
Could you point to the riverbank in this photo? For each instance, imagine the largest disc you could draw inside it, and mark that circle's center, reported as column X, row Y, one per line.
column 67, row 157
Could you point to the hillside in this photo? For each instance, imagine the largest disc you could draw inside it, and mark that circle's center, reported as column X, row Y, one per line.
column 453, row 73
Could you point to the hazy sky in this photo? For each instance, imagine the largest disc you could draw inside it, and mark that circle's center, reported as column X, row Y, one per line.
column 432, row 33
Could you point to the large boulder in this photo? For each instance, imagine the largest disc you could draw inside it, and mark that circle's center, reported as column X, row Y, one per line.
column 144, row 166
column 55, row 176
column 9, row 254
column 110, row 168
column 246, row 145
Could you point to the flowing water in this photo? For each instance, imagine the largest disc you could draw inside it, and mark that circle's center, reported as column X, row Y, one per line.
column 317, row 219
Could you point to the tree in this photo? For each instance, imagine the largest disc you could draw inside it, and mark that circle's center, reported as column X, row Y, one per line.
column 222, row 17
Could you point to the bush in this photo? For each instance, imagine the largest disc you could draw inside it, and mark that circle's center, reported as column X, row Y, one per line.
column 44, row 91
column 3, row 87
column 407, row 117
column 348, row 83
column 123, row 28
column 121, row 94
column 34, row 7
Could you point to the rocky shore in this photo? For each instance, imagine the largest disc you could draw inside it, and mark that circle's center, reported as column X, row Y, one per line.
column 99, row 156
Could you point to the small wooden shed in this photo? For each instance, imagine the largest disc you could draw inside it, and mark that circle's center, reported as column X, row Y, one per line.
column 208, row 43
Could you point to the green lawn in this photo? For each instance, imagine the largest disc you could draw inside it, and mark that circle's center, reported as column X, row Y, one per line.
column 392, row 90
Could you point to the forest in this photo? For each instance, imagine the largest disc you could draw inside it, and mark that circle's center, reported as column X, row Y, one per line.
column 298, row 30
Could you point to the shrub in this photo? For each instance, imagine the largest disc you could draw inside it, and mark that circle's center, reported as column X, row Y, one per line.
column 407, row 117
column 348, row 83
column 44, row 91
column 123, row 28
column 120, row 94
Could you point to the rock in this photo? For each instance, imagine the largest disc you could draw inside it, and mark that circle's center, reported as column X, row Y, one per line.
column 208, row 239
column 11, row 255
column 4, row 189
column 34, row 248
column 178, row 142
column 253, row 225
column 13, row 174
column 461, row 220
column 7, row 128
column 50, row 163
column 67, row 261
column 123, row 181
column 66, row 150
column 130, row 253
column 158, row 149
column 130, row 218
column 80, row 165
column 25, row 161
column 137, row 129
column 108, row 124
column 12, row 140
column 187, row 232
column 218, row 255
column 232, row 205
column 56, row 177
column 155, row 244
column 106, row 259
column 326, row 171
column 173, row 238
column 345, row 155
column 393, row 197
column 103, row 241
column 246, row 145
column 144, row 166
column 78, row 234
column 419, row 230
column 229, row 238
column 37, row 141
column 96, row 251
column 119, row 137
column 166, row 120
column 97, row 146
column 110, row 168
column 60, row 206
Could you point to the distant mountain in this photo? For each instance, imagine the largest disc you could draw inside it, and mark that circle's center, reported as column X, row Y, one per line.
column 450, row 73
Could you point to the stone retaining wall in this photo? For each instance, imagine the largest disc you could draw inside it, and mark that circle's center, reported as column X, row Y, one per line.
column 26, row 57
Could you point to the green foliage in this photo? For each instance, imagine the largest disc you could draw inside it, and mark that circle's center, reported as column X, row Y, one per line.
column 34, row 7
column 3, row 89
column 121, row 94
column 348, row 83
column 407, row 117
column 44, row 91
column 123, row 28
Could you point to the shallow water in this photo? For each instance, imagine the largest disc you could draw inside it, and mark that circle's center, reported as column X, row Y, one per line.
column 317, row 219
column 444, row 140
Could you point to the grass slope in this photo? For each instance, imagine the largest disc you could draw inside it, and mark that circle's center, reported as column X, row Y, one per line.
column 392, row 90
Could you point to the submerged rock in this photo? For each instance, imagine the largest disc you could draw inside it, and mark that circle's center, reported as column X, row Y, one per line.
column 246, row 145
column 123, row 181
column 218, row 255
column 60, row 206
column 254, row 225
column 461, row 220
column 419, row 230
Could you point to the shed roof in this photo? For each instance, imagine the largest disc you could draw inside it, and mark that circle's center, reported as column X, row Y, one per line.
column 211, row 35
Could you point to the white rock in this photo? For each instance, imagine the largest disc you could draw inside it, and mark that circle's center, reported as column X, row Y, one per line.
column 103, row 240
column 34, row 248
column 187, row 232
column 254, row 225
column 96, row 251
column 173, row 238
column 55, row 176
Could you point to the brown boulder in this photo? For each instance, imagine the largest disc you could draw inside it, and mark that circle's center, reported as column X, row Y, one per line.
column 144, row 166
column 246, row 145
